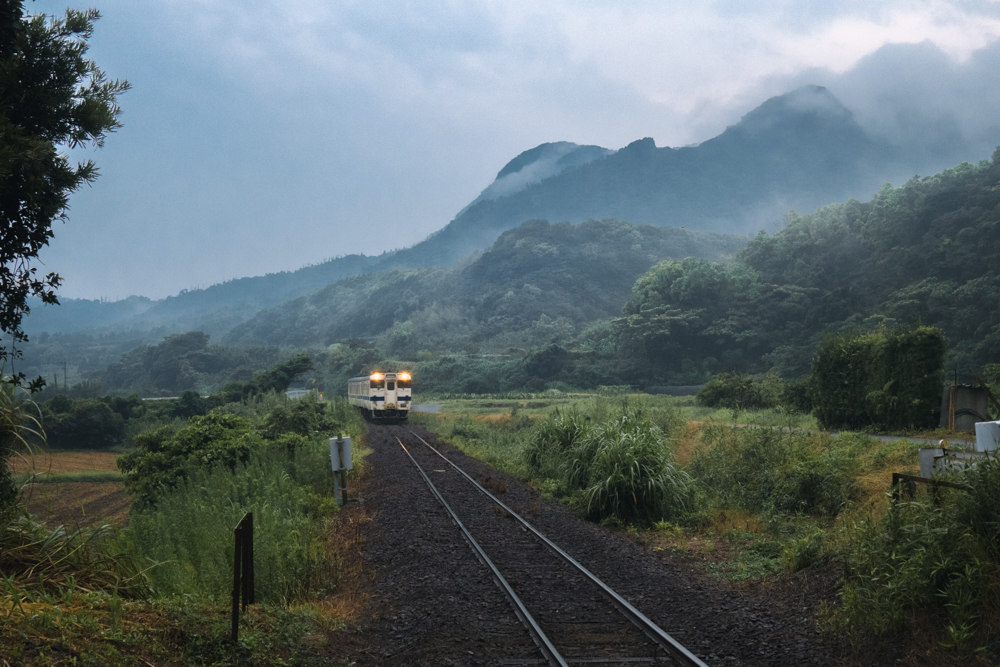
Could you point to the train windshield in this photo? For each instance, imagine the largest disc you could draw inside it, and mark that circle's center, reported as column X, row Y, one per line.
column 376, row 384
column 403, row 384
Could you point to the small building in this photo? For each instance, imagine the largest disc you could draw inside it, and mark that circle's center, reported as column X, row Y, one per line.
column 963, row 406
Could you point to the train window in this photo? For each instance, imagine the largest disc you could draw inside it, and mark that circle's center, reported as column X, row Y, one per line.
column 376, row 384
column 404, row 384
column 390, row 386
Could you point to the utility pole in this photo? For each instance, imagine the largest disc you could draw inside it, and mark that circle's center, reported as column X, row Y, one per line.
column 65, row 381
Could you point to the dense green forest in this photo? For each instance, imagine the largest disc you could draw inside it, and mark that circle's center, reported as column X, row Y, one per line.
column 802, row 150
column 539, row 283
column 924, row 253
column 608, row 302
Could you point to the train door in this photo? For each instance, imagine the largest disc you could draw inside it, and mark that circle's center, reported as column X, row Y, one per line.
column 391, row 403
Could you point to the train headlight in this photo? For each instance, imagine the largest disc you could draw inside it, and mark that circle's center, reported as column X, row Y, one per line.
column 404, row 376
column 376, row 376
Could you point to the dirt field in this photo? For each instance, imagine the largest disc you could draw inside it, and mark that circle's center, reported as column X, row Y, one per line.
column 74, row 504
column 78, row 504
column 65, row 462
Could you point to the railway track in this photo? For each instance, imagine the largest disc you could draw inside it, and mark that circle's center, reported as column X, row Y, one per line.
column 572, row 616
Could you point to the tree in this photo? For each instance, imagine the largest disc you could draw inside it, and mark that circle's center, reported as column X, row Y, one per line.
column 51, row 96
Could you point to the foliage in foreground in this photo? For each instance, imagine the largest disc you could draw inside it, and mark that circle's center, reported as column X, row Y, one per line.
column 53, row 97
column 189, row 528
column 191, row 488
column 923, row 560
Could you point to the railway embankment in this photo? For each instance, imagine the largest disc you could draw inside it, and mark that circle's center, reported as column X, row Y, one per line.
column 433, row 603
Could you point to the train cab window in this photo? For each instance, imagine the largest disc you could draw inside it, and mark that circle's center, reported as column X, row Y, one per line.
column 390, row 386
column 404, row 384
column 376, row 384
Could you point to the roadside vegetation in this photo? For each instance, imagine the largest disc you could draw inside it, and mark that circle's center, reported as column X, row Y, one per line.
column 155, row 586
column 742, row 483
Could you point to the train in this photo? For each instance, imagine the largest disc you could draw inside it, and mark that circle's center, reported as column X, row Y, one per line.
column 382, row 397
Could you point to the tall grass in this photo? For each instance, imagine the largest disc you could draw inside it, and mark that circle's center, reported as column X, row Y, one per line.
column 189, row 530
column 626, row 471
column 926, row 560
column 773, row 472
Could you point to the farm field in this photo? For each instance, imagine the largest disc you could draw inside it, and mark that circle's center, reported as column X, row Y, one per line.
column 74, row 489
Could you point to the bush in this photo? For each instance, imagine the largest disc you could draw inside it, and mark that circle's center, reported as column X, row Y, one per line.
column 552, row 440
column 736, row 391
column 163, row 458
column 888, row 379
column 626, row 471
column 770, row 471
column 86, row 424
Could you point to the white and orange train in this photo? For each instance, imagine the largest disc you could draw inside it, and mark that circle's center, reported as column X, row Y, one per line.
column 381, row 397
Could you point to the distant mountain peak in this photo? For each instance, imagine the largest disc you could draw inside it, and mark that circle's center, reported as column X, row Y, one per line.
column 806, row 102
column 537, row 164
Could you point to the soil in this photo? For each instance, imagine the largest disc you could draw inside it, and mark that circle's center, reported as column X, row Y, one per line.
column 64, row 462
column 430, row 602
column 78, row 504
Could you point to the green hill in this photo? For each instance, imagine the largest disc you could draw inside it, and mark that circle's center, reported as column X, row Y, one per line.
column 924, row 253
column 538, row 282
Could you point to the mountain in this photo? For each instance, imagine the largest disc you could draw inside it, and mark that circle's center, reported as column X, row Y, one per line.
column 537, row 282
column 927, row 252
column 798, row 151
column 214, row 310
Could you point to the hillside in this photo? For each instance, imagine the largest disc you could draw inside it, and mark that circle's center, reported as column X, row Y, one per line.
column 927, row 252
column 214, row 310
column 538, row 282
column 801, row 150
column 798, row 151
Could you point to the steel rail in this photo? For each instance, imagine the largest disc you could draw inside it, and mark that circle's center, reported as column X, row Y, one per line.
column 544, row 644
column 672, row 647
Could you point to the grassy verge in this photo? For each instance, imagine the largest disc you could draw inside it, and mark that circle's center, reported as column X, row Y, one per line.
column 157, row 591
column 768, row 499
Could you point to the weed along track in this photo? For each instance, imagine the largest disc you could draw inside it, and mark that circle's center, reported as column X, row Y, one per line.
column 434, row 602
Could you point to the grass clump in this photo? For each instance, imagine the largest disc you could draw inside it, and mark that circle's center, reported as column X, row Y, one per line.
column 927, row 563
column 773, row 471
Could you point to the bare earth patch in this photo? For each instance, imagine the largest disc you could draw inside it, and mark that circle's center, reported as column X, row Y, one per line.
column 65, row 462
column 78, row 504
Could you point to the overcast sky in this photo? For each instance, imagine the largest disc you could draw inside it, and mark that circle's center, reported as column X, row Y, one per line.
column 263, row 136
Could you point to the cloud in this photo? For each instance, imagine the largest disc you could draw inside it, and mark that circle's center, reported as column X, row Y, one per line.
column 267, row 134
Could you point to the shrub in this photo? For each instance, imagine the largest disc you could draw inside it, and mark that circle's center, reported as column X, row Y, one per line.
column 924, row 558
column 888, row 379
column 163, row 458
column 626, row 471
column 552, row 440
column 772, row 471
column 736, row 391
column 87, row 424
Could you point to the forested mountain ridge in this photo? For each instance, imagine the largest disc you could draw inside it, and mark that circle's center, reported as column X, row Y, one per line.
column 214, row 310
column 798, row 151
column 801, row 150
column 927, row 252
column 538, row 282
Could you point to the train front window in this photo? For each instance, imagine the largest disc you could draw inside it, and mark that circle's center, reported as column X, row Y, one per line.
column 390, row 386
column 403, row 384
column 376, row 384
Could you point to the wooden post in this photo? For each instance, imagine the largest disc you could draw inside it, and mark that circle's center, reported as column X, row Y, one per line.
column 243, row 579
column 237, row 562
